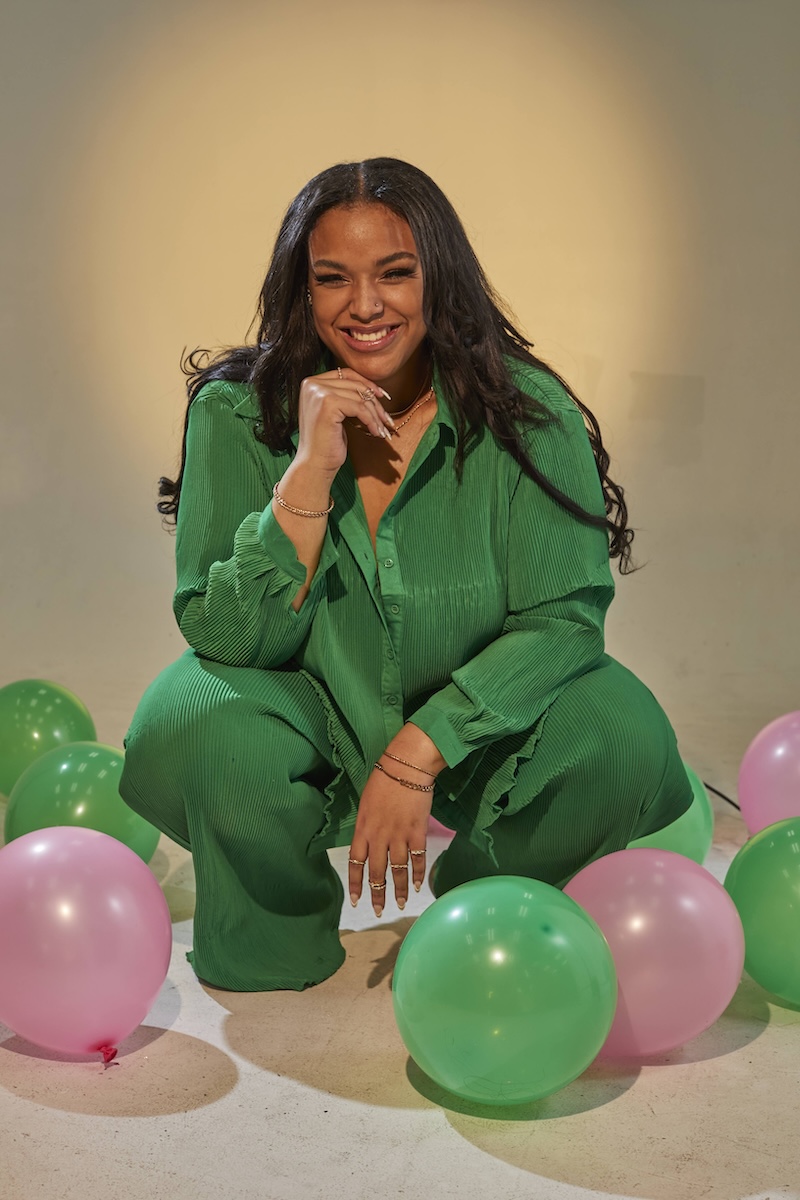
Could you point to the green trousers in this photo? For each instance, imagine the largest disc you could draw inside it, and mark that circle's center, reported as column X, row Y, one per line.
column 232, row 763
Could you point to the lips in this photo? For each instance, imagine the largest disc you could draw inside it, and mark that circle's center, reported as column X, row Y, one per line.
column 376, row 338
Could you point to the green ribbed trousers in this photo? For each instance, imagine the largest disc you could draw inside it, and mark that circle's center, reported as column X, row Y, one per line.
column 232, row 762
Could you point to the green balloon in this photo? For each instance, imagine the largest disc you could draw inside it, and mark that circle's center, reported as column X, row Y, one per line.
column 504, row 990
column 764, row 883
column 78, row 785
column 36, row 716
column 692, row 833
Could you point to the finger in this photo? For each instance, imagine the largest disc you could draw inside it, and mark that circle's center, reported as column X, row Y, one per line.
column 366, row 385
column 353, row 376
column 398, row 867
column 418, row 860
column 377, row 880
column 355, row 872
column 383, row 421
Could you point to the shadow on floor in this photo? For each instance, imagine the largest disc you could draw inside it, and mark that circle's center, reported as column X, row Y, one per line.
column 340, row 1036
column 157, row 1072
column 715, row 1118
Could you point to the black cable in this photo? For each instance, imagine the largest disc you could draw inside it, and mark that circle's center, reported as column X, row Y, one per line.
column 722, row 795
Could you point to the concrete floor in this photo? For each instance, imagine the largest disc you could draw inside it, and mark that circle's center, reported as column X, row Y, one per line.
column 288, row 1096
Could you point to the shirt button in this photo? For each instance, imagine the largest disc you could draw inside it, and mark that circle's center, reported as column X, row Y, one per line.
column 388, row 562
column 390, row 654
column 391, row 699
column 395, row 609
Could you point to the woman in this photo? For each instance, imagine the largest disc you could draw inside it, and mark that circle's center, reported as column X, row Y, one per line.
column 393, row 540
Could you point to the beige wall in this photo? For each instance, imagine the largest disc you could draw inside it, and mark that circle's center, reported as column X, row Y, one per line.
column 628, row 170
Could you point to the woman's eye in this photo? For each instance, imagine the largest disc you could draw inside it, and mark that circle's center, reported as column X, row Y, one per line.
column 329, row 279
column 399, row 273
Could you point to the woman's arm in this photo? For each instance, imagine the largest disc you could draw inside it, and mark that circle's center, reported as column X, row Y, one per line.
column 559, row 587
column 244, row 596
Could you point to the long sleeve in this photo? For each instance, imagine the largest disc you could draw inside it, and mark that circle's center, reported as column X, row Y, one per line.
column 237, row 571
column 559, row 587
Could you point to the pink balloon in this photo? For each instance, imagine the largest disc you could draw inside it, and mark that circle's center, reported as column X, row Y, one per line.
column 677, row 943
column 769, row 777
column 85, row 939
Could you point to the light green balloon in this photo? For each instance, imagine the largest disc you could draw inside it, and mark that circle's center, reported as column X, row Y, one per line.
column 504, row 990
column 36, row 716
column 764, row 883
column 692, row 833
column 78, row 785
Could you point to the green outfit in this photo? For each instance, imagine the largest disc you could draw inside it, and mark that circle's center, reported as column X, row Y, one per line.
column 480, row 620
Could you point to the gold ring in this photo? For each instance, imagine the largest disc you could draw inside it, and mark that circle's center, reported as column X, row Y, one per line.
column 399, row 866
column 358, row 862
column 376, row 887
column 367, row 394
column 339, row 369
column 418, row 852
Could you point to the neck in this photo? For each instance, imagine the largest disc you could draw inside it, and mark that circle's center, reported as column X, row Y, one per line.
column 406, row 389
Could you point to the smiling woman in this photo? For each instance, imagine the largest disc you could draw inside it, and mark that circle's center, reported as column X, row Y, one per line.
column 394, row 526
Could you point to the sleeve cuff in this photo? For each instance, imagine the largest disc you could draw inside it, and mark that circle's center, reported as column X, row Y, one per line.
column 433, row 721
column 281, row 549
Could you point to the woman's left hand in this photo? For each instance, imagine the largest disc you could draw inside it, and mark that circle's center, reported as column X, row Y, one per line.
column 390, row 832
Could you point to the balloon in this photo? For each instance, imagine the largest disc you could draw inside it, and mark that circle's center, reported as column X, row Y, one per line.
column 692, row 833
column 504, row 990
column 677, row 943
column 764, row 883
column 78, row 785
column 35, row 716
column 85, row 939
column 769, row 777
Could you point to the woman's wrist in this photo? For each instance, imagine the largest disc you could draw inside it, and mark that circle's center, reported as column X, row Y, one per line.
column 414, row 746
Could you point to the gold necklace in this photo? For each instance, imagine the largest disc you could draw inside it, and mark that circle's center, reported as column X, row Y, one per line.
column 417, row 404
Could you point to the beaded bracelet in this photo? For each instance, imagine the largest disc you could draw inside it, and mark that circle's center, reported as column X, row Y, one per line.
column 300, row 512
column 417, row 787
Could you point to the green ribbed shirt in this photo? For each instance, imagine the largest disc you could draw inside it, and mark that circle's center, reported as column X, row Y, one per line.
column 484, row 600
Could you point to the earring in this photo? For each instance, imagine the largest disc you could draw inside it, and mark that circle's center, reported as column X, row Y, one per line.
column 308, row 295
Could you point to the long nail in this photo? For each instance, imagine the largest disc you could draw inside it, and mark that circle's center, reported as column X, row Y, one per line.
column 354, row 898
column 401, row 904
column 378, row 912
column 417, row 886
column 384, row 392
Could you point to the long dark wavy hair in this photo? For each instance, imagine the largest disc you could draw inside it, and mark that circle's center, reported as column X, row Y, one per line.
column 469, row 335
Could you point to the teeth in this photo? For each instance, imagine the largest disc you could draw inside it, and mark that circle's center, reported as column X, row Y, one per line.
column 369, row 337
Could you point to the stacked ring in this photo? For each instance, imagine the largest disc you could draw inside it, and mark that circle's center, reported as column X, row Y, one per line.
column 358, row 862
column 376, row 887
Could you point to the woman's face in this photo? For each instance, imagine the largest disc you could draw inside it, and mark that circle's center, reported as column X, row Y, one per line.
column 365, row 280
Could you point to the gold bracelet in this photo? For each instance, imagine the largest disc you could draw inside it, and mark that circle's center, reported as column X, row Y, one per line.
column 417, row 787
column 406, row 763
column 301, row 512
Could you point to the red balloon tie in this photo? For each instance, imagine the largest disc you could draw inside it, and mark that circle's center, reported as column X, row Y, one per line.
column 108, row 1052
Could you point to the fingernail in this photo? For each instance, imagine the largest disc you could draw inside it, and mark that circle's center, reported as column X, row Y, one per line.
column 401, row 904
column 417, row 886
column 389, row 417
column 378, row 912
column 353, row 899
column 383, row 392
column 384, row 433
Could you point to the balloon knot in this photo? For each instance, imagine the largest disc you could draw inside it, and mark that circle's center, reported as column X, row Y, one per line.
column 108, row 1052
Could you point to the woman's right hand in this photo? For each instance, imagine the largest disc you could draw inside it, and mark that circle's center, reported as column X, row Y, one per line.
column 325, row 403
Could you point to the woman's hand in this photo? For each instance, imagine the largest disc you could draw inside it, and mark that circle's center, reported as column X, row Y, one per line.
column 390, row 832
column 325, row 403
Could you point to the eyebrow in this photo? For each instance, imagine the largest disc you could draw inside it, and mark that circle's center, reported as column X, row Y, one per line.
column 381, row 262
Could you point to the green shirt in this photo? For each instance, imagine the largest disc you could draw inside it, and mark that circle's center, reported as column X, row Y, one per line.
column 484, row 601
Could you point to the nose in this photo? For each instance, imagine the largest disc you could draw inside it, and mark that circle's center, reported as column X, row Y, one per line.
column 365, row 301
